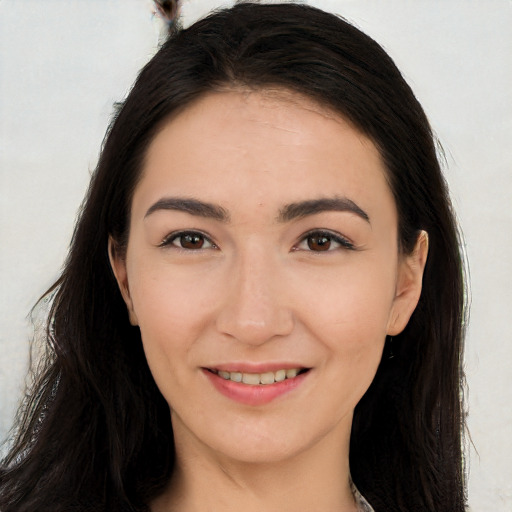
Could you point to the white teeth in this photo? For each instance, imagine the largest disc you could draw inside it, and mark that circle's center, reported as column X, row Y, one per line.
column 251, row 378
column 254, row 379
column 267, row 378
column 235, row 376
column 280, row 375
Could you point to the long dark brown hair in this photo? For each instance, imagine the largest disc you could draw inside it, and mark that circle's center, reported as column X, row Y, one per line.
column 95, row 433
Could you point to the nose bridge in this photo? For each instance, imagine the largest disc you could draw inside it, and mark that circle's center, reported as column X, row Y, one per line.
column 255, row 309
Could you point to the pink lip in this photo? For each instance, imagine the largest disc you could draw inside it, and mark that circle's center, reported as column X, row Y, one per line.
column 253, row 395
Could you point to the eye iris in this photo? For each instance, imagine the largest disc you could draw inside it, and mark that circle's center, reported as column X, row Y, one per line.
column 319, row 243
column 192, row 241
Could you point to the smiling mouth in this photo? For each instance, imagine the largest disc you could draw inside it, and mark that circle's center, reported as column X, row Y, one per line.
column 257, row 379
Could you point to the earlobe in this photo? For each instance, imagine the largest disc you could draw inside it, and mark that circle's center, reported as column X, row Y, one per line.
column 118, row 264
column 409, row 284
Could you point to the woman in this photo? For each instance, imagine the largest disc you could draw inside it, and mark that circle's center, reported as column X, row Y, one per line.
column 263, row 301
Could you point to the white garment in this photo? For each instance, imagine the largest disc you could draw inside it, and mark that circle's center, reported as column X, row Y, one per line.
column 362, row 504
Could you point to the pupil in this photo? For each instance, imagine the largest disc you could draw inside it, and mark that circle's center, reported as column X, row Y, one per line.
column 319, row 243
column 192, row 241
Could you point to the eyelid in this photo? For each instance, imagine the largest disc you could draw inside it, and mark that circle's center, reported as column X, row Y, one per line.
column 343, row 241
column 168, row 239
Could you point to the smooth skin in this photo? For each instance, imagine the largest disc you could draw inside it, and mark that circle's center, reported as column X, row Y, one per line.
column 263, row 232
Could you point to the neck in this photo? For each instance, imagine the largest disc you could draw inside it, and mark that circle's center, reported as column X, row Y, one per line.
column 318, row 478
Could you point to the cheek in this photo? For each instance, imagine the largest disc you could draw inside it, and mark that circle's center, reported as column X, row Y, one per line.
column 169, row 299
column 355, row 341
column 350, row 319
column 172, row 311
column 352, row 305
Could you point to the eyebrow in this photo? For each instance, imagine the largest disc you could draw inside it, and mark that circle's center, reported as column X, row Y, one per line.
column 286, row 214
column 304, row 208
column 192, row 206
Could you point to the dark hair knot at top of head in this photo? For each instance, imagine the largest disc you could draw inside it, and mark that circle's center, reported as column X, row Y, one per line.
column 168, row 9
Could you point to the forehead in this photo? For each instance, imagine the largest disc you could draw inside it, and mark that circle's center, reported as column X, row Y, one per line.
column 269, row 147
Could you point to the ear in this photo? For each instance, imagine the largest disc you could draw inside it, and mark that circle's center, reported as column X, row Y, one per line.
column 118, row 264
column 408, row 287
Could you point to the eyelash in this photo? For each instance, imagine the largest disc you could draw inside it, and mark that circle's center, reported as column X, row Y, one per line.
column 317, row 233
column 343, row 242
column 168, row 240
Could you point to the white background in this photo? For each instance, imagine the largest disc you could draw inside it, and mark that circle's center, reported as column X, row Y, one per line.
column 64, row 62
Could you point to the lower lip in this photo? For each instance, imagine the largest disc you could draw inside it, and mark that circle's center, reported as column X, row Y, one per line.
column 253, row 395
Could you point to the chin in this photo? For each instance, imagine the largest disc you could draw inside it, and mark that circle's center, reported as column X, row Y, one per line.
column 274, row 440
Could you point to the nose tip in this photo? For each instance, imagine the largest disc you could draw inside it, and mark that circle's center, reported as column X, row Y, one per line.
column 254, row 326
column 255, row 309
column 254, row 331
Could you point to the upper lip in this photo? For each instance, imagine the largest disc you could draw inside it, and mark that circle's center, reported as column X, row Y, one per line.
column 245, row 367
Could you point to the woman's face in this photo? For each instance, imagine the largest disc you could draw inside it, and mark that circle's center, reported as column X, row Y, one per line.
column 263, row 245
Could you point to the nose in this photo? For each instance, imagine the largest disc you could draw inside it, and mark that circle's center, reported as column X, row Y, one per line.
column 255, row 308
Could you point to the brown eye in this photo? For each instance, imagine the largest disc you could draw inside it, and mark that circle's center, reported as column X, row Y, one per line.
column 319, row 242
column 189, row 240
column 323, row 241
